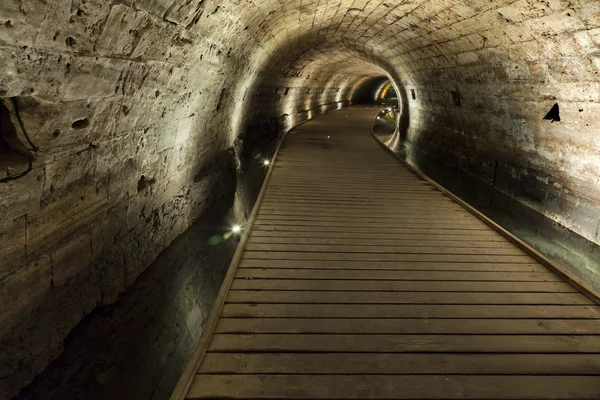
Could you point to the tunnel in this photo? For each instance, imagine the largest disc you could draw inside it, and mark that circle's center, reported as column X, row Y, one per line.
column 135, row 134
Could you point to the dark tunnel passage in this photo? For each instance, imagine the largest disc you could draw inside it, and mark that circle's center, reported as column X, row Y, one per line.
column 128, row 126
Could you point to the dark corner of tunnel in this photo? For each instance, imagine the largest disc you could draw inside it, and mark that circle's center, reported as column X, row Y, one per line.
column 16, row 150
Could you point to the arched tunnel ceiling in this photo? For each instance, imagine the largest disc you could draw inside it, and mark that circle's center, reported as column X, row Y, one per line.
column 126, row 105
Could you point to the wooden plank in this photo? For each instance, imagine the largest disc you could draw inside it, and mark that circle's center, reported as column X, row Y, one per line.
column 367, row 230
column 391, row 265
column 423, row 209
column 335, row 343
column 285, row 181
column 440, row 222
column 345, row 190
column 390, row 219
column 341, row 203
column 379, row 197
column 388, row 387
column 295, row 273
column 401, row 286
column 368, row 175
column 383, row 225
column 449, row 214
column 282, row 255
column 380, row 242
column 407, row 325
column 311, row 195
column 332, row 191
column 338, row 297
column 340, row 248
column 399, row 364
column 374, row 171
column 287, row 185
column 369, row 311
column 468, row 236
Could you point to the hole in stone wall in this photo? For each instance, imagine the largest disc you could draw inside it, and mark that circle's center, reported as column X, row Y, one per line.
column 554, row 114
column 287, row 90
column 144, row 182
column 70, row 41
column 414, row 95
column 81, row 123
column 456, row 98
column 14, row 155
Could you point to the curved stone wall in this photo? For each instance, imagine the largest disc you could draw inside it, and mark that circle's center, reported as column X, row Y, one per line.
column 133, row 113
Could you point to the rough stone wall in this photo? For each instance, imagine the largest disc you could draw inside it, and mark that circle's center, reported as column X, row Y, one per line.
column 131, row 110
column 509, row 67
column 131, row 145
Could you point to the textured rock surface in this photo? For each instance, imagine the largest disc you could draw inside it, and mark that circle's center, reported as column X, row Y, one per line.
column 128, row 106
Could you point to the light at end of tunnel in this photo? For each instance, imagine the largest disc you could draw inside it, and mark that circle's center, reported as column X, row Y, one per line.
column 236, row 229
column 328, row 137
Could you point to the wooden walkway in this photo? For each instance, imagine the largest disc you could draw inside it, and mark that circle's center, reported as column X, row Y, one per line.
column 360, row 280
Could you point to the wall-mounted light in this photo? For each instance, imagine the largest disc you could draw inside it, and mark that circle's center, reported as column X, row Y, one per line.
column 266, row 163
column 236, row 229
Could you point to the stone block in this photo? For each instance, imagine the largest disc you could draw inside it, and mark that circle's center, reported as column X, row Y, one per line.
column 93, row 77
column 71, row 257
column 20, row 21
column 50, row 224
column 72, row 26
column 13, row 237
column 23, row 290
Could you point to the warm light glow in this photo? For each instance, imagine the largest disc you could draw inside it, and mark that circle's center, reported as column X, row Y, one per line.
column 236, row 229
column 380, row 89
